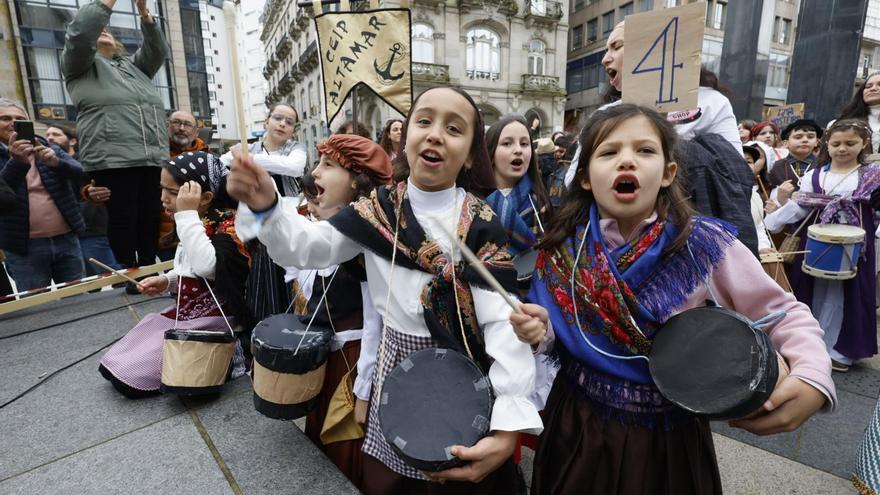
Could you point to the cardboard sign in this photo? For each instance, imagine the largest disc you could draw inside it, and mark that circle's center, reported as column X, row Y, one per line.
column 785, row 114
column 661, row 66
column 370, row 48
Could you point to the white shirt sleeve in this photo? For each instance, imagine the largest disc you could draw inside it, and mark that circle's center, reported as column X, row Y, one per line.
column 293, row 240
column 201, row 257
column 716, row 118
column 791, row 212
column 572, row 167
column 513, row 372
column 291, row 165
column 366, row 365
column 758, row 218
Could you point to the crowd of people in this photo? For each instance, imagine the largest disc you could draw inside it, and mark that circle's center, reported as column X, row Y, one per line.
column 602, row 235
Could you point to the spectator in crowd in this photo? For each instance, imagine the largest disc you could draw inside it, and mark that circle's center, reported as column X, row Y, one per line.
column 390, row 140
column 183, row 136
column 93, row 242
column 745, row 130
column 768, row 133
column 40, row 235
column 801, row 137
column 349, row 127
column 865, row 105
column 123, row 135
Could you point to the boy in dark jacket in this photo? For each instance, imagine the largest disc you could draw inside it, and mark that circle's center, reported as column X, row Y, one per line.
column 40, row 234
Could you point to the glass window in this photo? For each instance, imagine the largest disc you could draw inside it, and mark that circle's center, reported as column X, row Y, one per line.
column 592, row 30
column 537, row 51
column 607, row 23
column 712, row 54
column 577, row 37
column 720, row 15
column 483, row 54
column 646, row 5
column 538, row 7
column 579, row 4
column 626, row 10
column 422, row 43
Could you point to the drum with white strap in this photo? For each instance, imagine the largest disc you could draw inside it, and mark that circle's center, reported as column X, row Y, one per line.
column 833, row 251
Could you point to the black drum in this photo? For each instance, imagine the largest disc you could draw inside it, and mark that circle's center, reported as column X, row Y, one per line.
column 289, row 365
column 710, row 361
column 196, row 361
column 524, row 263
column 432, row 400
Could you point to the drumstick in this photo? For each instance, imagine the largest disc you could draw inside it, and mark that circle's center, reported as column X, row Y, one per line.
column 477, row 265
column 117, row 272
column 795, row 252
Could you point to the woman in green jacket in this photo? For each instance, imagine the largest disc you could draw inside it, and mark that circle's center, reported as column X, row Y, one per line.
column 121, row 123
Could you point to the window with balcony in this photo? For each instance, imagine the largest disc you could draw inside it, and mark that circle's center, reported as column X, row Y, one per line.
column 719, row 15
column 537, row 56
column 782, row 30
column 577, row 37
column 626, row 10
column 607, row 23
column 422, row 43
column 592, row 30
column 483, row 54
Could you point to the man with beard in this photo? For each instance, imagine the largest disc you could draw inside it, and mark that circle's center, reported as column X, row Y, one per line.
column 183, row 136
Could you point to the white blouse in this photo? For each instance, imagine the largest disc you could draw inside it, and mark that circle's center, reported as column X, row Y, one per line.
column 836, row 184
column 195, row 255
column 292, row 239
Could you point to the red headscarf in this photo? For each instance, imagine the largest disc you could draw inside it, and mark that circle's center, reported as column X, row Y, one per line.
column 357, row 154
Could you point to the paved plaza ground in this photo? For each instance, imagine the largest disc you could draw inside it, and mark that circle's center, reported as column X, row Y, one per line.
column 75, row 435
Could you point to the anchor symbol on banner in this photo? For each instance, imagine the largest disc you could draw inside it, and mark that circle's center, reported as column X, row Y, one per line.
column 386, row 72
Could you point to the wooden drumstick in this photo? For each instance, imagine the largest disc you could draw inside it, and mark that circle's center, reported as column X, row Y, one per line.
column 483, row 272
column 116, row 272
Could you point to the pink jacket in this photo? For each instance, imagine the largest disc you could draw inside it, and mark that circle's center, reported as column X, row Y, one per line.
column 739, row 283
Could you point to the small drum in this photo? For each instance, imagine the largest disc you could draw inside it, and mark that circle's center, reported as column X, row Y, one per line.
column 775, row 267
column 524, row 263
column 711, row 362
column 196, row 361
column 833, row 251
column 289, row 365
column 432, row 400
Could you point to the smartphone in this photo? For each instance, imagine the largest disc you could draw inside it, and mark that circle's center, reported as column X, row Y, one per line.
column 25, row 130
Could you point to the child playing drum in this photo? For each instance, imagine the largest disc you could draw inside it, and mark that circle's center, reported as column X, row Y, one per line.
column 838, row 193
column 401, row 231
column 639, row 256
column 209, row 251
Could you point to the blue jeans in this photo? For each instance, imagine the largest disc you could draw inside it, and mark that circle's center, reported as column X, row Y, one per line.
column 97, row 247
column 56, row 258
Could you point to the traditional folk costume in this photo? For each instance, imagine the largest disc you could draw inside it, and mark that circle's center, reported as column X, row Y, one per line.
column 841, row 306
column 517, row 210
column 607, row 428
column 209, row 251
column 267, row 293
column 422, row 266
column 348, row 309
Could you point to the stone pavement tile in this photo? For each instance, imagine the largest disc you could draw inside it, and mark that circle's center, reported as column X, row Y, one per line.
column 267, row 456
column 861, row 379
column 59, row 311
column 24, row 359
column 746, row 470
column 168, row 457
column 826, row 441
column 72, row 411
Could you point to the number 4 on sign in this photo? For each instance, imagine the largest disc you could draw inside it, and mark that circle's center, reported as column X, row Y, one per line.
column 665, row 68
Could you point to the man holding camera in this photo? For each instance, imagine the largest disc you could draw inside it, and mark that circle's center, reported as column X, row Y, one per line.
column 39, row 235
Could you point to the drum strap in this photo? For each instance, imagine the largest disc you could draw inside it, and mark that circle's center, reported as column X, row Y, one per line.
column 382, row 339
column 323, row 297
column 219, row 307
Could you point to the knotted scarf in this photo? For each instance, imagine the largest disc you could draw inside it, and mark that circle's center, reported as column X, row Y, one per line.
column 372, row 221
column 516, row 214
column 844, row 209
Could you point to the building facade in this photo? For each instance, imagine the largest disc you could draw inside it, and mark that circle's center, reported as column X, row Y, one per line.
column 509, row 55
column 593, row 20
column 33, row 38
column 251, row 60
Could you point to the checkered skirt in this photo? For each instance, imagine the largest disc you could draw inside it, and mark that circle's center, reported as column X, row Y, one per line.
column 398, row 346
column 867, row 476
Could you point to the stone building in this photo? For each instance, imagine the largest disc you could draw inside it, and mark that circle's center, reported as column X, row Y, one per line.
column 509, row 55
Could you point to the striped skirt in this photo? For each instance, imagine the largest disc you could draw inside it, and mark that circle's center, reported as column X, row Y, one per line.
column 867, row 476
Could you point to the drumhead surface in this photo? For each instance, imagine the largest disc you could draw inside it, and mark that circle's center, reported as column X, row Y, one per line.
column 836, row 233
column 276, row 338
column 213, row 336
column 709, row 361
column 432, row 400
